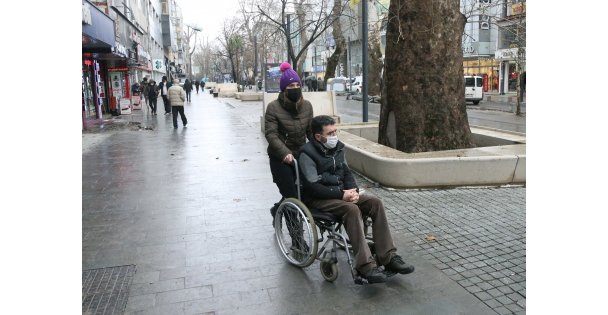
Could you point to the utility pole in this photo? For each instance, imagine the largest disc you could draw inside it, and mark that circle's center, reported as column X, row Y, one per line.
column 364, row 57
column 288, row 38
column 255, row 56
column 350, row 74
column 314, row 58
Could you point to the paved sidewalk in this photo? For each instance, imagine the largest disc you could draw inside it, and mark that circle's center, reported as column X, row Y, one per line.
column 189, row 208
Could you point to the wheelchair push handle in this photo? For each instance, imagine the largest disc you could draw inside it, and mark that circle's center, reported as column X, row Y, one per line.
column 295, row 164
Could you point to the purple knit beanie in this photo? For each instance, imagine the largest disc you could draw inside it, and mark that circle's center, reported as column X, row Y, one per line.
column 288, row 76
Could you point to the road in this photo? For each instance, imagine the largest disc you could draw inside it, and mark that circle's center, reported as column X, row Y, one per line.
column 351, row 111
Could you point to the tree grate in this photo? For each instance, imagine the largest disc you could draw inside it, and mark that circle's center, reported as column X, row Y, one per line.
column 106, row 290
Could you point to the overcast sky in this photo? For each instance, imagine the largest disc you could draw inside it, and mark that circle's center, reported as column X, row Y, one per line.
column 208, row 14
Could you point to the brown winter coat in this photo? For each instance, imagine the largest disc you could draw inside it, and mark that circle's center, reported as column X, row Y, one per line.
column 287, row 125
column 176, row 95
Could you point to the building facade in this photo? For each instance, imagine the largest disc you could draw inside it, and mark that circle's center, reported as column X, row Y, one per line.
column 511, row 45
column 124, row 41
column 479, row 40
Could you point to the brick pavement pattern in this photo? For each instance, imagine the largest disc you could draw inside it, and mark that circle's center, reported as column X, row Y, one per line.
column 476, row 236
column 189, row 207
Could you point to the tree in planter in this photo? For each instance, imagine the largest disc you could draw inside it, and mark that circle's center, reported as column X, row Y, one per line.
column 232, row 43
column 375, row 60
column 423, row 106
column 311, row 16
column 340, row 42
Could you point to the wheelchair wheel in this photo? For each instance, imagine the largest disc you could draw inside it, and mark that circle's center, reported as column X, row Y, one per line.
column 329, row 271
column 296, row 232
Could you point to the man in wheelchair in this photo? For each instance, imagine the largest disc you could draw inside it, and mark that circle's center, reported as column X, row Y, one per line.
column 330, row 186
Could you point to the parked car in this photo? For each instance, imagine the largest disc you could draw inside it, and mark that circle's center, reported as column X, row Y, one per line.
column 355, row 85
column 473, row 89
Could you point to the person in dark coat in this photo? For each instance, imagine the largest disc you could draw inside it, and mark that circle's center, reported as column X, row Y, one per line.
column 152, row 96
column 197, row 84
column 286, row 127
column 144, row 89
column 188, row 89
column 163, row 87
column 314, row 84
column 330, row 186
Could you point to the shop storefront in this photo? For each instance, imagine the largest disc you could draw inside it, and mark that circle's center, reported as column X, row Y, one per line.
column 133, row 65
column 97, row 39
column 508, row 59
column 485, row 67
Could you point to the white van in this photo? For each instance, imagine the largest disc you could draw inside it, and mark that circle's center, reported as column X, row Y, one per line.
column 473, row 89
column 355, row 86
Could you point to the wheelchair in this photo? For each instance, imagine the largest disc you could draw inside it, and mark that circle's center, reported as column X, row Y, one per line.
column 299, row 230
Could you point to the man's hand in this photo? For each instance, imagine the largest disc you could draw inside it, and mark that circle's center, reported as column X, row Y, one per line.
column 288, row 159
column 351, row 195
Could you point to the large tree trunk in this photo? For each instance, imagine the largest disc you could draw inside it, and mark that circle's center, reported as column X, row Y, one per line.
column 332, row 62
column 423, row 107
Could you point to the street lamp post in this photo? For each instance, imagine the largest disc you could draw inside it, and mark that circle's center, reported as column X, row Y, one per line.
column 195, row 30
column 314, row 65
column 364, row 31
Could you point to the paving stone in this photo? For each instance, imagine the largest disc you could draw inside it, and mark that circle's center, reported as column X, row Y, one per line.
column 483, row 296
column 504, row 299
column 502, row 310
column 495, row 292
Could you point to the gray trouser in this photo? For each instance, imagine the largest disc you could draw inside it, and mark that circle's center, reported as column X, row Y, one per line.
column 351, row 215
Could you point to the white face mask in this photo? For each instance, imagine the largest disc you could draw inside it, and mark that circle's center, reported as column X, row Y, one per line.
column 331, row 142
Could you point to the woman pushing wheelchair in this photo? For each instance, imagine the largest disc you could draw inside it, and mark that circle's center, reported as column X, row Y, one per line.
column 286, row 127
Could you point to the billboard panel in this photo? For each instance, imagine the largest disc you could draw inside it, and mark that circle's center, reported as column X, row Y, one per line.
column 272, row 76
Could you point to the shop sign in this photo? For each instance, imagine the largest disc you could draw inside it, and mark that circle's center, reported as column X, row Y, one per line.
column 142, row 53
column 468, row 50
column 86, row 14
column 510, row 53
column 158, row 64
column 518, row 7
column 484, row 22
column 120, row 50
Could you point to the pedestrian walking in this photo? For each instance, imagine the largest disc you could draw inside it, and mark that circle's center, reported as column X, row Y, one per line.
column 286, row 127
column 202, row 86
column 314, row 84
column 188, row 89
column 197, row 84
column 330, row 186
column 135, row 88
column 163, row 88
column 145, row 89
column 152, row 96
column 177, row 96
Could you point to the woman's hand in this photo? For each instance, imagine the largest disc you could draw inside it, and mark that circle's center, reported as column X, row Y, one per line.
column 288, row 159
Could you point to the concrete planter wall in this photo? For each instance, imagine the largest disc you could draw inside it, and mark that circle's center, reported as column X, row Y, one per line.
column 501, row 164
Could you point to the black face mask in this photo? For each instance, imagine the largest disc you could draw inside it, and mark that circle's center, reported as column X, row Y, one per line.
column 294, row 94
